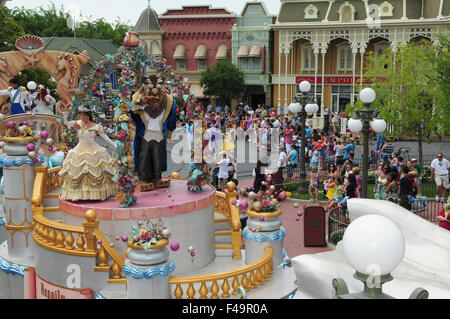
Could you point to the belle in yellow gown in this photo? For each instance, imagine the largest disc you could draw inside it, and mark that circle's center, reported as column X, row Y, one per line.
column 87, row 170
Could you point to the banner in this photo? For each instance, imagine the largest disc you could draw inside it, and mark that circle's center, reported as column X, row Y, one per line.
column 332, row 80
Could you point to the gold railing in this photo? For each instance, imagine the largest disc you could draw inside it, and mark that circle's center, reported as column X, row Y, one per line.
column 251, row 276
column 60, row 238
column 223, row 205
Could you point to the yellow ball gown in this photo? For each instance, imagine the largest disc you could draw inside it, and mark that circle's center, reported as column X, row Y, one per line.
column 87, row 170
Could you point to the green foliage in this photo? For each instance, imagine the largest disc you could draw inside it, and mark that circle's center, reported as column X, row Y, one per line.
column 337, row 237
column 52, row 22
column 9, row 30
column 441, row 61
column 406, row 94
column 224, row 80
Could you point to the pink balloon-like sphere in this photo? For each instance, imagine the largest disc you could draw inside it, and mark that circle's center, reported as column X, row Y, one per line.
column 299, row 213
column 234, row 202
column 244, row 204
column 44, row 134
column 31, row 147
column 262, row 218
column 297, row 218
column 174, row 246
column 124, row 238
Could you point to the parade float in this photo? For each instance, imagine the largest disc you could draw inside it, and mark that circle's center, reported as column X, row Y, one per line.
column 185, row 239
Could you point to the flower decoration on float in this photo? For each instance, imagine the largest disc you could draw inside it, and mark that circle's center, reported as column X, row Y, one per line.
column 265, row 200
column 147, row 234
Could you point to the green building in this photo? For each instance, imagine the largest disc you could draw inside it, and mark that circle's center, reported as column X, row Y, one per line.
column 252, row 49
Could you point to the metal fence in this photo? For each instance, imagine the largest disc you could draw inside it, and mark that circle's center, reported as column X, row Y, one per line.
column 338, row 218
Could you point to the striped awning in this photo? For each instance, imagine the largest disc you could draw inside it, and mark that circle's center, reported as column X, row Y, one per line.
column 255, row 52
column 180, row 52
column 156, row 50
column 200, row 53
column 243, row 51
column 222, row 52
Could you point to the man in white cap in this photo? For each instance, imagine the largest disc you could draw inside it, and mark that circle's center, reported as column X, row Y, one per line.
column 439, row 169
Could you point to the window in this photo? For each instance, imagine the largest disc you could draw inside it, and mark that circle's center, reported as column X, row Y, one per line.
column 311, row 12
column 341, row 97
column 346, row 13
column 256, row 64
column 380, row 48
column 181, row 64
column 344, row 58
column 244, row 63
column 308, row 59
column 386, row 9
column 202, row 65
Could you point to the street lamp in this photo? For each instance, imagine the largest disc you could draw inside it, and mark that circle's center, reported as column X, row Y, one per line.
column 302, row 98
column 373, row 257
column 362, row 121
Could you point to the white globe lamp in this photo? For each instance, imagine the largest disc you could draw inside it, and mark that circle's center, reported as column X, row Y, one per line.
column 373, row 245
column 367, row 96
column 295, row 108
column 355, row 125
column 379, row 125
column 304, row 86
column 311, row 108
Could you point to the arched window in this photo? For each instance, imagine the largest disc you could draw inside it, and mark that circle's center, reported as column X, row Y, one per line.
column 346, row 12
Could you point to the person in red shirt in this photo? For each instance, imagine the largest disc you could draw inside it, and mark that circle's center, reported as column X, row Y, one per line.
column 444, row 217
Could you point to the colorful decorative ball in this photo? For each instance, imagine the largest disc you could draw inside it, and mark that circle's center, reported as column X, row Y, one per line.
column 174, row 246
column 165, row 233
column 297, row 218
column 31, row 147
column 44, row 134
column 299, row 213
column 32, row 155
column 35, row 160
column 272, row 188
column 192, row 254
column 22, row 128
column 124, row 238
column 248, row 189
column 170, row 206
column 295, row 205
column 50, row 142
column 251, row 195
column 99, row 241
column 11, row 124
column 190, row 249
column 234, row 202
column 50, row 149
column 244, row 205
column 262, row 218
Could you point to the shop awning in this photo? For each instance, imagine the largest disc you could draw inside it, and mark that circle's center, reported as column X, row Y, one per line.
column 255, row 52
column 222, row 52
column 200, row 53
column 156, row 50
column 180, row 52
column 243, row 51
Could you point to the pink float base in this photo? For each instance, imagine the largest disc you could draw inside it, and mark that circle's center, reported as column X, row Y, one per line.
column 154, row 204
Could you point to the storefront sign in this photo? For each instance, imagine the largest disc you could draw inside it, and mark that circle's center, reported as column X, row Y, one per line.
column 331, row 80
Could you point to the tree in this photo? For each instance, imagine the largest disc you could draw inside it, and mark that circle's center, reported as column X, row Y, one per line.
column 9, row 31
column 406, row 95
column 441, row 61
column 224, row 80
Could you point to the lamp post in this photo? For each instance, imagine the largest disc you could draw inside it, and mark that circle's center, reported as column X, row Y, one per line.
column 373, row 257
column 303, row 99
column 366, row 115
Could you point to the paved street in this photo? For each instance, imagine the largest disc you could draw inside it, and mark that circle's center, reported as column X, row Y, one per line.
column 245, row 169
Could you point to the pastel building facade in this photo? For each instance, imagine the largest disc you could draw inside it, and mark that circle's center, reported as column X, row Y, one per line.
column 327, row 41
column 252, row 51
column 195, row 38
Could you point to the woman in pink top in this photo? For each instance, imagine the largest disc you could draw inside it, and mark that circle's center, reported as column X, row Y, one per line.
column 289, row 135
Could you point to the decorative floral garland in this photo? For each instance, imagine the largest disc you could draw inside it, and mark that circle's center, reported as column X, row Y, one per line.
column 150, row 273
column 261, row 238
column 11, row 268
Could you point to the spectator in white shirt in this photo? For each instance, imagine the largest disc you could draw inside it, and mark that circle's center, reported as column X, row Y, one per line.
column 440, row 168
column 223, row 170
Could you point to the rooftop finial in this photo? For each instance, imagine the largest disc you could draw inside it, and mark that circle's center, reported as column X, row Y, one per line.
column 149, row 3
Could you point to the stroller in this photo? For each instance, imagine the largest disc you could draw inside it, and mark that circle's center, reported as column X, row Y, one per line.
column 232, row 176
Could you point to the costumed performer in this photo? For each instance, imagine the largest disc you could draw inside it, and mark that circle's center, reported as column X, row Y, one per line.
column 43, row 100
column 88, row 170
column 154, row 114
column 18, row 96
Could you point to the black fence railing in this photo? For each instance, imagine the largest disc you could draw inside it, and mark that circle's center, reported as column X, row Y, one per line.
column 338, row 218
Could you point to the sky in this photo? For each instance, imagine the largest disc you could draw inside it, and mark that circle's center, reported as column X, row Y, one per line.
column 129, row 11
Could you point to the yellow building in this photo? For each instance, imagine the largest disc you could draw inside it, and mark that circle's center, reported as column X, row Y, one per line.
column 326, row 42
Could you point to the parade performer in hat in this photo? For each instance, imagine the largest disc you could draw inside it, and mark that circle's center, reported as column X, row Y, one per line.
column 154, row 114
column 18, row 95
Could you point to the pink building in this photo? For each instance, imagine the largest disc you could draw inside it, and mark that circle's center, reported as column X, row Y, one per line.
column 195, row 38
